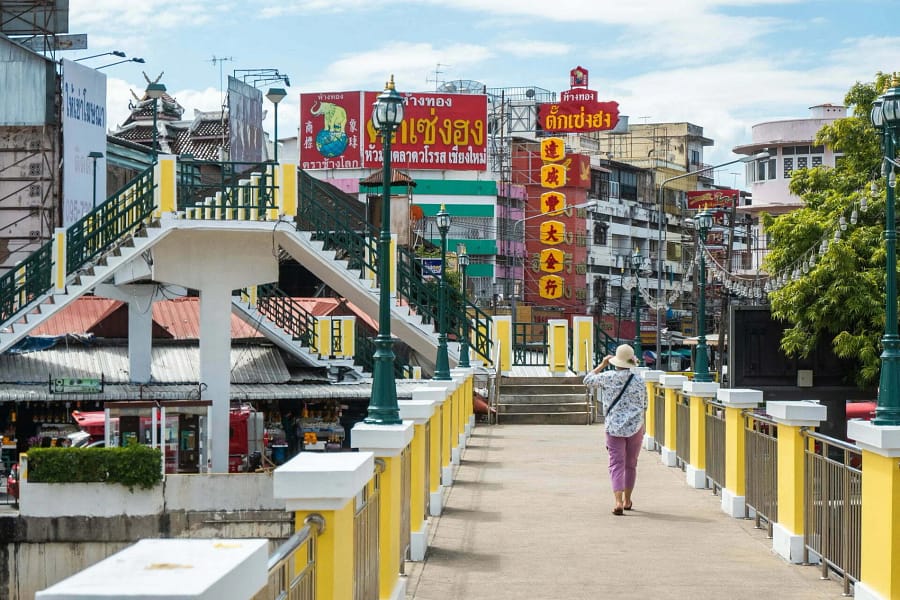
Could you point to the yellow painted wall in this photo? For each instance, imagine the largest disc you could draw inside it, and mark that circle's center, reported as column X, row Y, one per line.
column 880, row 567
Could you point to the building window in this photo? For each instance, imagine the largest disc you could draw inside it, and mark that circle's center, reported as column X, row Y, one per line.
column 817, row 161
column 600, row 234
column 802, row 162
column 788, row 167
column 695, row 157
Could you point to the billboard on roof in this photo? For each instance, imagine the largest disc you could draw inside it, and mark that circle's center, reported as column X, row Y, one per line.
column 439, row 131
column 245, row 130
column 41, row 18
column 83, row 132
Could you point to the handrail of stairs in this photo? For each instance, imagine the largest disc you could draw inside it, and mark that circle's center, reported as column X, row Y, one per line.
column 603, row 343
column 93, row 235
column 530, row 344
column 103, row 228
column 287, row 314
column 226, row 190
column 365, row 357
column 322, row 211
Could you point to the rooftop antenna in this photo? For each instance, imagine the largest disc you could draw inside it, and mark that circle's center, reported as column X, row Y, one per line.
column 220, row 60
column 437, row 76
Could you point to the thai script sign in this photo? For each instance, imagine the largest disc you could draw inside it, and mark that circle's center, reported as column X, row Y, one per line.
column 84, row 131
column 578, row 110
column 439, row 131
column 712, row 198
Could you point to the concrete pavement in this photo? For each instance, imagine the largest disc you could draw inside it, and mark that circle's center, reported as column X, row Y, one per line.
column 529, row 516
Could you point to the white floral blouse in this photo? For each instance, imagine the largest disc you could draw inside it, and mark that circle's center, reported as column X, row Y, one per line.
column 627, row 418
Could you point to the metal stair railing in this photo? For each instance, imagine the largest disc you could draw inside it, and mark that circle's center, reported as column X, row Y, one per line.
column 530, row 344
column 365, row 357
column 283, row 311
column 95, row 234
column 603, row 343
column 331, row 220
column 359, row 240
column 225, row 190
column 102, row 229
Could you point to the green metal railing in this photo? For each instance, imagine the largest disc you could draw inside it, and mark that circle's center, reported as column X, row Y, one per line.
column 530, row 344
column 101, row 229
column 287, row 314
column 365, row 357
column 341, row 224
column 29, row 279
column 604, row 343
column 226, row 190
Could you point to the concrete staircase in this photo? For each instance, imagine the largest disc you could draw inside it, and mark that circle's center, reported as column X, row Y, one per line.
column 543, row 401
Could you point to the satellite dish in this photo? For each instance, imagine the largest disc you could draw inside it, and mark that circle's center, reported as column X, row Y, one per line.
column 529, row 93
column 462, row 86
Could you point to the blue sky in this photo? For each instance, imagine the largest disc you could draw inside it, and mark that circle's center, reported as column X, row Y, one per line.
column 720, row 64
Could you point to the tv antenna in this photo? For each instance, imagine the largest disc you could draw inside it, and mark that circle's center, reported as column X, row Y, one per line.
column 437, row 76
column 220, row 60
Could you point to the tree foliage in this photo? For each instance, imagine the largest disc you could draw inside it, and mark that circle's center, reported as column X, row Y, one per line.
column 841, row 298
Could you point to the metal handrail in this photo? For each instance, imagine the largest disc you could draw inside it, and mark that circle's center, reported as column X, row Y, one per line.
column 247, row 190
column 287, row 314
column 715, row 443
column 833, row 506
column 682, row 430
column 659, row 415
column 364, row 357
column 603, row 343
column 761, row 468
column 530, row 344
column 289, row 576
column 365, row 547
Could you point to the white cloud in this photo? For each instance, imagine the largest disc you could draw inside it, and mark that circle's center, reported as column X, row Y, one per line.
column 530, row 48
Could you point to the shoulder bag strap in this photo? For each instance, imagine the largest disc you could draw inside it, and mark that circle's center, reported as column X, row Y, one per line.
column 619, row 397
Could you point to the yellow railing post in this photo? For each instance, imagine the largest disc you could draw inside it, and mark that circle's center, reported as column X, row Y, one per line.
column 558, row 350
column 420, row 413
column 695, row 471
column 165, row 189
column 437, row 396
column 503, row 343
column 582, row 344
column 792, row 416
column 464, row 379
column 287, row 189
column 651, row 380
column 880, row 541
column 327, row 484
column 387, row 442
column 733, row 491
column 672, row 384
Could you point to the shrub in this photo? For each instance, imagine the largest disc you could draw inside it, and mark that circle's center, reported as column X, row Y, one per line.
column 132, row 466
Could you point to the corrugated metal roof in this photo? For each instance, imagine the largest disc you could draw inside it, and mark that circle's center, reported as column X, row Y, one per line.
column 239, row 393
column 171, row 363
column 179, row 317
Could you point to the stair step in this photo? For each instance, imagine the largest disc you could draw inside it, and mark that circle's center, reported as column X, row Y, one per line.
column 542, row 409
column 583, row 418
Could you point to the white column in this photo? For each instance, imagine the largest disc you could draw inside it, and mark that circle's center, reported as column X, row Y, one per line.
column 215, row 369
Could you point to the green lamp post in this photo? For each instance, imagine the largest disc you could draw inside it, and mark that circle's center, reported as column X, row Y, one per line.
column 704, row 221
column 636, row 261
column 155, row 91
column 463, row 260
column 383, row 409
column 442, row 362
column 886, row 119
column 276, row 95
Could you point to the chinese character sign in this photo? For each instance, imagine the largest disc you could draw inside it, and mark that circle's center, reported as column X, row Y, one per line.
column 551, row 287
column 712, row 198
column 552, row 260
column 553, row 149
column 553, row 232
column 553, row 176
column 552, row 202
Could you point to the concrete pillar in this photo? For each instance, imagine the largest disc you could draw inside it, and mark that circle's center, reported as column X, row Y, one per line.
column 558, row 347
column 327, row 484
column 387, row 442
column 787, row 533
column 672, row 384
column 695, row 471
column 437, row 396
column 651, row 380
column 582, row 344
column 734, row 490
column 465, row 382
column 420, row 412
column 879, row 572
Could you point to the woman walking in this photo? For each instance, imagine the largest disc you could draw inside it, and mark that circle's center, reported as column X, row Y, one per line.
column 624, row 398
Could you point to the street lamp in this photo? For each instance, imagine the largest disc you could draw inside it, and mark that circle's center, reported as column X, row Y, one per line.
column 463, row 259
column 387, row 115
column 136, row 60
column 660, row 250
column 276, row 95
column 94, row 156
column 636, row 261
column 442, row 362
column 704, row 221
column 155, row 91
column 118, row 53
column 886, row 119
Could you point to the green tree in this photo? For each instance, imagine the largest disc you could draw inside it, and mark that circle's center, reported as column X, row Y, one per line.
column 837, row 295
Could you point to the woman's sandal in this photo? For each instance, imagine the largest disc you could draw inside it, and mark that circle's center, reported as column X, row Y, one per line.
column 618, row 511
column 628, row 506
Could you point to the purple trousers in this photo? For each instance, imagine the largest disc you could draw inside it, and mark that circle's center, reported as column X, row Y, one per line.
column 623, row 458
